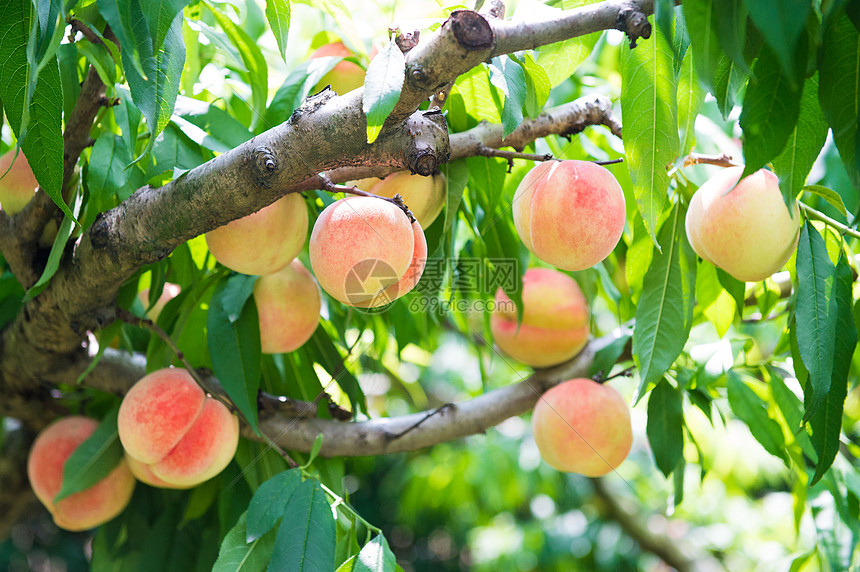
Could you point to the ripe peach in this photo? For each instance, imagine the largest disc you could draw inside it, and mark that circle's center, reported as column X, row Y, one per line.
column 409, row 279
column 360, row 246
column 19, row 184
column 288, row 303
column 743, row 227
column 569, row 213
column 263, row 242
column 425, row 196
column 144, row 474
column 87, row 508
column 169, row 424
column 345, row 76
column 581, row 426
column 554, row 327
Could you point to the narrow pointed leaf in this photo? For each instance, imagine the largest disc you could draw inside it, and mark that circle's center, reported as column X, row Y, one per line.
column 234, row 345
column 750, row 409
column 384, row 80
column 826, row 424
column 816, row 320
column 159, row 17
column 510, row 79
column 781, row 22
column 649, row 111
column 828, row 195
column 769, row 116
column 807, row 138
column 94, row 459
column 664, row 314
column 278, row 15
column 665, row 426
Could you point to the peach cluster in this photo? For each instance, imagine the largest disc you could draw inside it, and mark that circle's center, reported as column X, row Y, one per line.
column 174, row 435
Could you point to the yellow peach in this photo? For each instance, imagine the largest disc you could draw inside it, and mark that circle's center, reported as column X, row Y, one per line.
column 425, row 196
column 288, row 304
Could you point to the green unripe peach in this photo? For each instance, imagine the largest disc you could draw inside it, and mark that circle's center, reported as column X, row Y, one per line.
column 87, row 508
column 288, row 304
column 168, row 423
column 554, row 326
column 581, row 426
column 263, row 242
column 569, row 213
column 743, row 227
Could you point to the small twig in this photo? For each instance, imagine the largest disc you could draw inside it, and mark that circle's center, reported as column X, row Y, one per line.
column 84, row 29
column 280, row 451
column 722, row 160
column 438, row 411
column 623, row 373
column 326, row 184
column 486, row 151
column 819, row 216
column 609, row 161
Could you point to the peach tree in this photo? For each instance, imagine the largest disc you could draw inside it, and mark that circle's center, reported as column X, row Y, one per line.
column 139, row 135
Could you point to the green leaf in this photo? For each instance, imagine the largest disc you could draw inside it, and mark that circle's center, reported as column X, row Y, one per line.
column 324, row 353
column 665, row 426
column 664, row 314
column 699, row 17
column 828, row 195
column 648, row 107
column 315, row 451
column 296, row 88
column 269, row 503
column 382, row 85
column 509, row 78
column 781, row 22
column 252, row 58
column 456, row 175
column 237, row 555
column 306, row 540
column 792, row 410
column 106, row 174
column 730, row 17
column 807, row 138
column 537, row 85
column 375, row 556
column 826, row 424
column 690, row 98
column 278, row 15
column 234, row 344
column 129, row 25
column 816, row 320
column 154, row 91
column 160, row 15
column 769, row 116
column 94, row 459
column 561, row 59
column 34, row 112
column 839, row 74
column 57, row 249
column 749, row 408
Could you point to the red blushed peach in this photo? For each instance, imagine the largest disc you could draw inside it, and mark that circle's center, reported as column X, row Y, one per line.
column 288, row 304
column 409, row 279
column 144, row 474
column 581, row 426
column 359, row 247
column 85, row 509
column 19, row 184
column 168, row 423
column 743, row 227
column 263, row 242
column 425, row 196
column 569, row 213
column 554, row 327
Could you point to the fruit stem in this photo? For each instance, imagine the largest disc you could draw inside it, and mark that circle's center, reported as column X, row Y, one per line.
column 819, row 216
column 721, row 160
column 327, row 185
